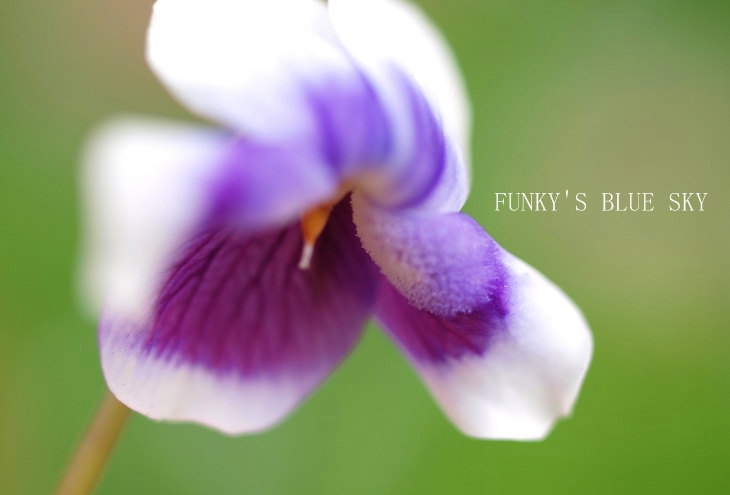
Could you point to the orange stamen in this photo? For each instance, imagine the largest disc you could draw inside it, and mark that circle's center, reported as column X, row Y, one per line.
column 313, row 224
column 314, row 221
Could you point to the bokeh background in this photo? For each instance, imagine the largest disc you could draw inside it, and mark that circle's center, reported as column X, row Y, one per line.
column 585, row 96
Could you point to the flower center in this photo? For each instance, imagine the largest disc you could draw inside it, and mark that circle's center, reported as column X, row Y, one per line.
column 313, row 223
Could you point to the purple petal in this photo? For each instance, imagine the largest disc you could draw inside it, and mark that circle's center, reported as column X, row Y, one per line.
column 353, row 142
column 263, row 185
column 278, row 74
column 381, row 35
column 239, row 335
column 444, row 263
column 397, row 156
column 502, row 349
column 435, row 339
column 422, row 157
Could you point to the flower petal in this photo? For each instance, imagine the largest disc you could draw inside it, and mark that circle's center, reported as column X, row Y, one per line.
column 261, row 185
column 418, row 172
column 239, row 335
column 277, row 73
column 387, row 36
column 146, row 185
column 444, row 263
column 245, row 62
column 151, row 183
column 502, row 349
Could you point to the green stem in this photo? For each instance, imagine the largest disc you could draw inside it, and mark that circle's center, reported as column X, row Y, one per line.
column 95, row 449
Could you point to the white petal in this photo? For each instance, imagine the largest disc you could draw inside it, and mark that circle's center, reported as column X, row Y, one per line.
column 528, row 380
column 144, row 182
column 510, row 366
column 383, row 34
column 185, row 392
column 245, row 63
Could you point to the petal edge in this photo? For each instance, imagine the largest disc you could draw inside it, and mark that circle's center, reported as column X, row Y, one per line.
column 510, row 365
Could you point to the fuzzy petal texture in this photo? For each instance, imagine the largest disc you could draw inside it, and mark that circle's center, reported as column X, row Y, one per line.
column 444, row 263
column 502, row 349
column 238, row 335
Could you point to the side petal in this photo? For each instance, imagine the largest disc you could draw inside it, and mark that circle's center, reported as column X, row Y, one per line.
column 239, row 335
column 246, row 63
column 150, row 184
column 502, row 349
column 146, row 184
column 388, row 37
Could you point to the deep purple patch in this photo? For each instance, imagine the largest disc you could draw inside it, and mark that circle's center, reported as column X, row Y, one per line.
column 237, row 303
column 438, row 339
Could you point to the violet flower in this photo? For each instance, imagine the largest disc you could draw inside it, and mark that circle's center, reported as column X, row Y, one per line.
column 237, row 267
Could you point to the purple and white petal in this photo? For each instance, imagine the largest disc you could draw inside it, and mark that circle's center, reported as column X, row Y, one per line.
column 264, row 183
column 246, row 63
column 419, row 165
column 501, row 348
column 445, row 263
column 261, row 185
column 146, row 184
column 238, row 335
column 391, row 39
column 277, row 73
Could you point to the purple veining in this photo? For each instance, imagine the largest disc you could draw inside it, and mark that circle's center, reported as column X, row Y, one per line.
column 216, row 308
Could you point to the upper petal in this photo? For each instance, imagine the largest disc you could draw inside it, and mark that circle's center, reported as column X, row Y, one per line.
column 277, row 72
column 245, row 62
column 384, row 35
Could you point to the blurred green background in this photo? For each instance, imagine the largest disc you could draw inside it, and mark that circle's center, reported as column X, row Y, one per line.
column 588, row 96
